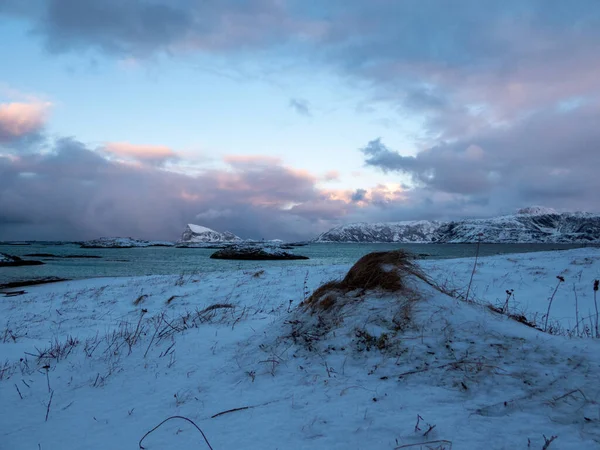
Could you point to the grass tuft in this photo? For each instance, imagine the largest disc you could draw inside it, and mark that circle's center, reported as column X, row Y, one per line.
column 384, row 271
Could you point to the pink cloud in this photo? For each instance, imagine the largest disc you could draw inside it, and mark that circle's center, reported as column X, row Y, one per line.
column 331, row 175
column 20, row 119
column 143, row 153
column 251, row 160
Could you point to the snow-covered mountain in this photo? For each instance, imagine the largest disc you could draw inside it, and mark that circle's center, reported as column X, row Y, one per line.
column 528, row 225
column 421, row 231
column 199, row 234
column 536, row 226
column 123, row 242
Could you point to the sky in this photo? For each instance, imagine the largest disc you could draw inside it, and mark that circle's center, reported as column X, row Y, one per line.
column 284, row 118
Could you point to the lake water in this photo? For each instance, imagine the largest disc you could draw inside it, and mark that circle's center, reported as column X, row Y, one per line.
column 169, row 260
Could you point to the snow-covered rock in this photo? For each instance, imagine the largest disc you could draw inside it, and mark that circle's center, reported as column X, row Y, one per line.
column 421, row 231
column 119, row 242
column 529, row 225
column 199, row 234
column 14, row 261
column 255, row 252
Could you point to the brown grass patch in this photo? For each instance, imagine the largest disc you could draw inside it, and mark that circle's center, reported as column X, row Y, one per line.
column 140, row 299
column 384, row 271
column 217, row 306
column 171, row 298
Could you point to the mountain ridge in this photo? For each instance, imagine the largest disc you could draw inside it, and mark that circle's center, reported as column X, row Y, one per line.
column 528, row 225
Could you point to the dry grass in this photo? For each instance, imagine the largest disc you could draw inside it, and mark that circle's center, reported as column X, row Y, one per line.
column 383, row 271
column 140, row 299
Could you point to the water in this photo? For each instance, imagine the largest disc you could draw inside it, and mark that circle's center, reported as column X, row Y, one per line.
column 168, row 260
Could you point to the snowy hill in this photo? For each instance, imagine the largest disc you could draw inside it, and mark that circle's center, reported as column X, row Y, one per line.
column 199, row 234
column 528, row 225
column 421, row 231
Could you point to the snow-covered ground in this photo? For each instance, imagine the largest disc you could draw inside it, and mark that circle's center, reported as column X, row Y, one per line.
column 97, row 363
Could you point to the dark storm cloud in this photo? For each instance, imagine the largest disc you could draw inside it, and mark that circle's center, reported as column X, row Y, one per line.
column 73, row 192
column 143, row 27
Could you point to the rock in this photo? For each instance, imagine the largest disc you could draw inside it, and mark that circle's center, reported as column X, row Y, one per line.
column 32, row 282
column 197, row 234
column 14, row 261
column 255, row 253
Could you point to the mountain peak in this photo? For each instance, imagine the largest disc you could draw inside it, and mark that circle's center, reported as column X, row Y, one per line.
column 199, row 233
column 536, row 211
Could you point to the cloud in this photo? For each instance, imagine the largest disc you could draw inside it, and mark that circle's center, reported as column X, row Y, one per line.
column 457, row 69
column 506, row 94
column 331, row 175
column 300, row 106
column 146, row 27
column 251, row 160
column 359, row 195
column 18, row 120
column 155, row 154
column 67, row 190
column 549, row 158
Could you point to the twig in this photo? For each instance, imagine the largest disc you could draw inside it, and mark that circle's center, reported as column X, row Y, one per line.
column 49, row 403
column 170, row 418
column 243, row 408
column 474, row 268
column 440, row 441
column 570, row 393
column 18, row 391
column 419, row 418
column 576, row 310
column 232, row 410
column 547, row 441
column 48, row 377
column 560, row 280
column 596, row 282
column 431, row 427
column 454, row 363
column 153, row 336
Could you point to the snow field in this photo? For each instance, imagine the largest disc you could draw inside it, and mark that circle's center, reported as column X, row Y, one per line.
column 116, row 357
